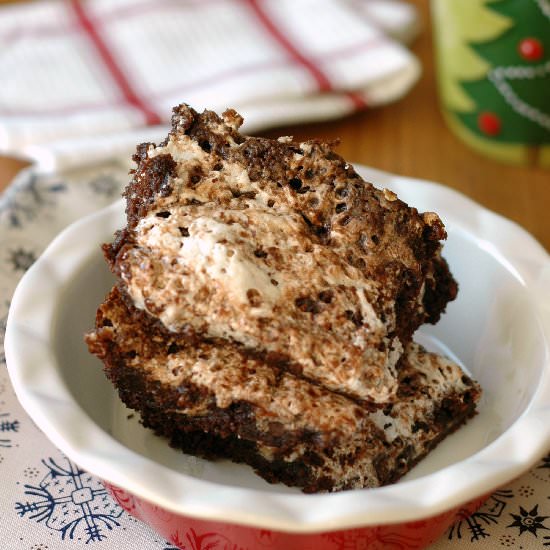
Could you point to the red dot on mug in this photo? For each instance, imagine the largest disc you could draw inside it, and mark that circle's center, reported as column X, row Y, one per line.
column 489, row 123
column 531, row 49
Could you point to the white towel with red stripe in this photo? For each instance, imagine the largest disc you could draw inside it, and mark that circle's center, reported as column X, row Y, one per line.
column 86, row 79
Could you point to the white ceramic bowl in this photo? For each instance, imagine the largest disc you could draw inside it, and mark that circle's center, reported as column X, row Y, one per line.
column 498, row 328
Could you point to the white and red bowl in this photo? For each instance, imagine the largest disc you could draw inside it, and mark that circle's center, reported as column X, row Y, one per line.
column 498, row 328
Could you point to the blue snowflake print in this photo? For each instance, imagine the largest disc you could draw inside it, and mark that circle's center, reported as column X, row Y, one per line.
column 8, row 426
column 475, row 524
column 72, row 502
column 106, row 185
column 24, row 201
column 529, row 521
column 545, row 463
column 3, row 324
column 21, row 259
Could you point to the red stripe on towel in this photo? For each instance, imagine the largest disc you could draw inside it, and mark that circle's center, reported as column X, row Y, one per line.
column 275, row 31
column 131, row 97
column 322, row 80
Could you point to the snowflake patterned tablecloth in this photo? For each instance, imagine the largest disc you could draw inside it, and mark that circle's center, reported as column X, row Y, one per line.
column 48, row 503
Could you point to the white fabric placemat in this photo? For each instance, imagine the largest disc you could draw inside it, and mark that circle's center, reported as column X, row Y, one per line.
column 40, row 506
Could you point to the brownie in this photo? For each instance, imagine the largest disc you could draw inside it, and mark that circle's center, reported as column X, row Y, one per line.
column 282, row 247
column 264, row 309
column 214, row 399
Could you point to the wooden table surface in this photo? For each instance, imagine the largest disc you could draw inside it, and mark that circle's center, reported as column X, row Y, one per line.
column 410, row 138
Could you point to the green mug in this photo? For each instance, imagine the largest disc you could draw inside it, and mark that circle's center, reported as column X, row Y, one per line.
column 493, row 66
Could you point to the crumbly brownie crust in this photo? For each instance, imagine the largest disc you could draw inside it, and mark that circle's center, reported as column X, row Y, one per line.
column 264, row 309
column 215, row 398
column 282, row 247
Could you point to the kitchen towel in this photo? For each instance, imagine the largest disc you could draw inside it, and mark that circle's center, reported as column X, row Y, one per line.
column 84, row 80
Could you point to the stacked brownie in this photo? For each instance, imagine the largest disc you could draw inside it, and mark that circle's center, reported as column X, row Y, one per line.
column 265, row 304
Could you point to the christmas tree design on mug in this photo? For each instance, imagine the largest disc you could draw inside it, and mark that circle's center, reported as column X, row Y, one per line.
column 494, row 75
